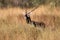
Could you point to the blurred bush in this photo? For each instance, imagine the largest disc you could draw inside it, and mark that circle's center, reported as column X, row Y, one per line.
column 27, row 3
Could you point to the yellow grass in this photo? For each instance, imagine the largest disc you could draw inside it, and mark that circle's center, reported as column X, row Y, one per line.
column 13, row 25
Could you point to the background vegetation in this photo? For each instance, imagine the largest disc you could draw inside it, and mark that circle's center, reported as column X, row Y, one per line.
column 28, row 3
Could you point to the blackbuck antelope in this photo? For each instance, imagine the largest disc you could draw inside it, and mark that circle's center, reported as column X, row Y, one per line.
column 29, row 21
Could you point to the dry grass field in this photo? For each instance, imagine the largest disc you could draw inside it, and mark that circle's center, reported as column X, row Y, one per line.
column 13, row 25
